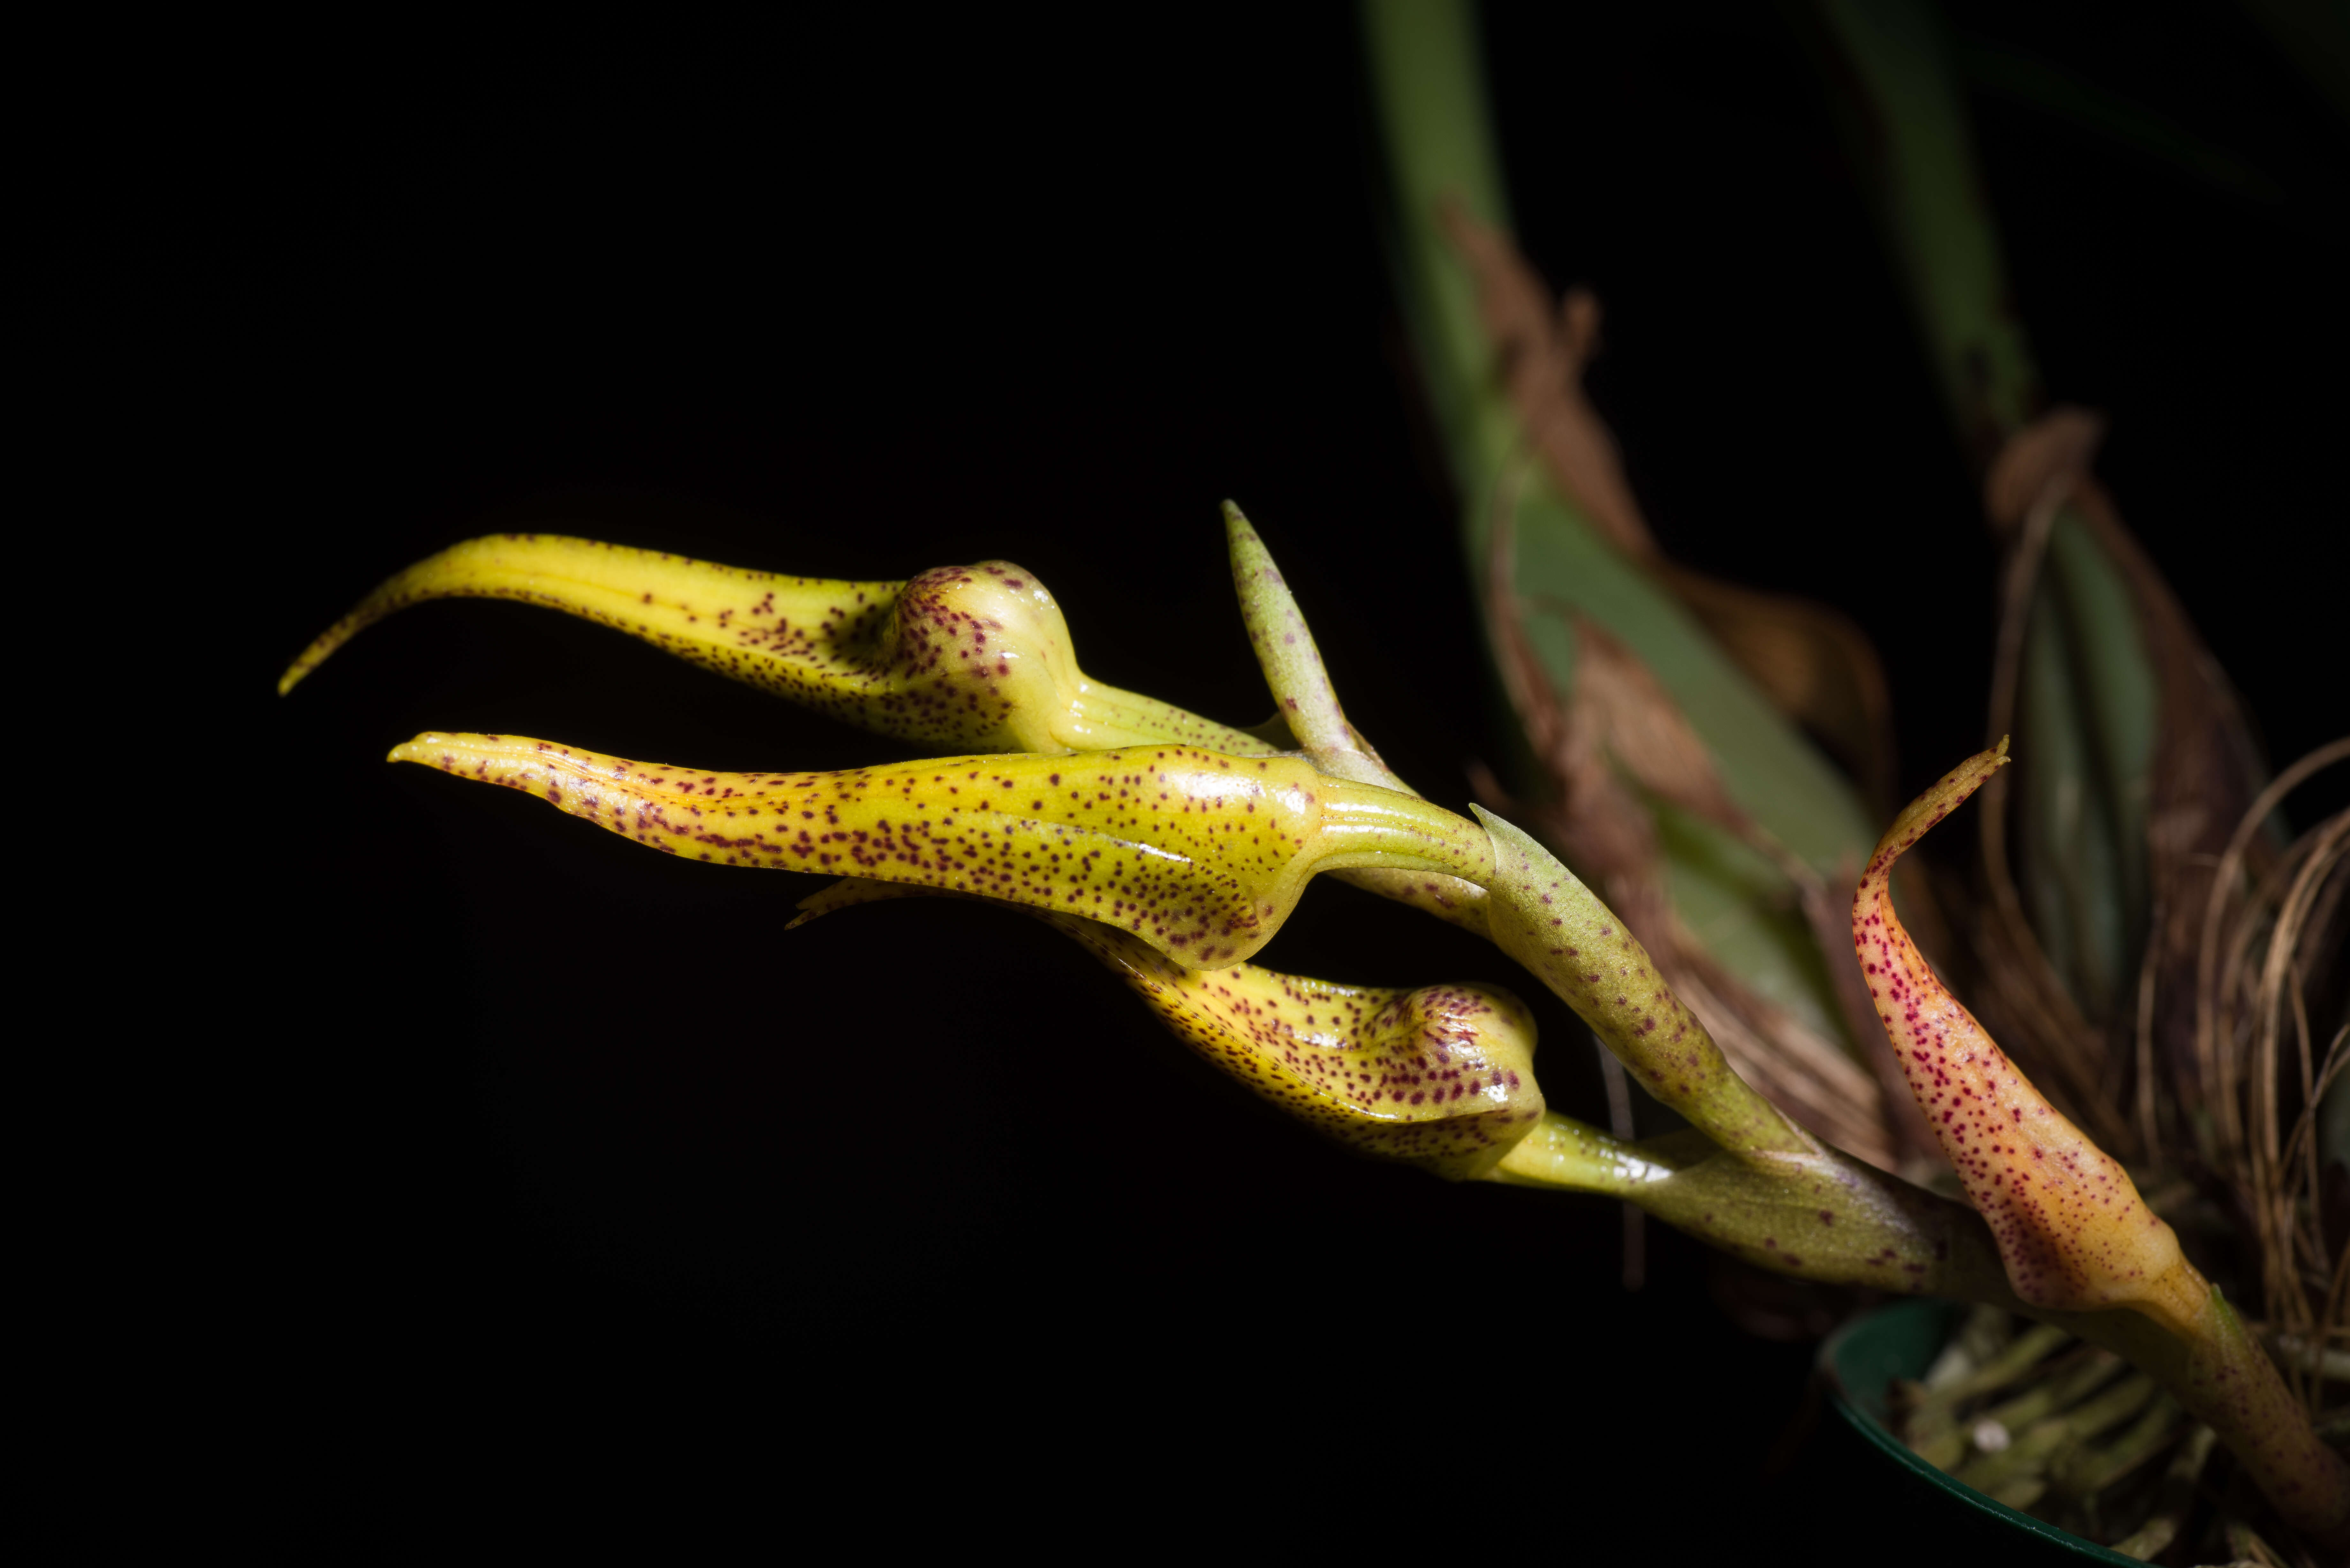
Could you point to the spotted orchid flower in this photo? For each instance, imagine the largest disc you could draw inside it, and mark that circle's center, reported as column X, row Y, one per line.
column 1173, row 848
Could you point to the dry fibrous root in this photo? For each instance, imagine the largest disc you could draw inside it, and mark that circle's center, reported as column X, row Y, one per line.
column 2271, row 942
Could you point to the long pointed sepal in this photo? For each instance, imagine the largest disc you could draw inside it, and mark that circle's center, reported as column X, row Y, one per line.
column 2072, row 1229
column 1441, row 1076
column 1200, row 854
column 958, row 659
column 1306, row 704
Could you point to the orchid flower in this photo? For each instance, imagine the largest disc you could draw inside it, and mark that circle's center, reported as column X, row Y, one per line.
column 1174, row 851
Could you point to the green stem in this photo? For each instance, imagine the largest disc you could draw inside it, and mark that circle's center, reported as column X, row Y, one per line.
column 1816, row 1214
column 2092, row 702
column 2038, row 1420
column 1430, row 92
column 2022, row 1468
column 2022, row 1353
column 2179, row 1492
column 2093, row 1470
column 1907, row 120
column 1421, row 56
column 1542, row 915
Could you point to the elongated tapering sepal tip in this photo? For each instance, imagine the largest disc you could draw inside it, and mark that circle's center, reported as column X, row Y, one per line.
column 851, row 891
column 1242, row 539
column 1945, row 795
column 961, row 659
column 373, row 609
column 1293, row 667
column 1441, row 1077
column 472, row 754
column 323, row 646
column 1202, row 854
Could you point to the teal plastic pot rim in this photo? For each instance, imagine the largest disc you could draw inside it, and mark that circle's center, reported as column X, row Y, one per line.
column 1902, row 1341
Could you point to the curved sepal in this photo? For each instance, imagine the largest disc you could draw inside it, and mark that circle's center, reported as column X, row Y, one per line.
column 1306, row 705
column 2071, row 1229
column 1200, row 854
column 964, row 658
column 1441, row 1078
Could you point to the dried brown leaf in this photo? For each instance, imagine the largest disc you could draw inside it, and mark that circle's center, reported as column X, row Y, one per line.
column 2206, row 772
column 2278, row 1183
column 1541, row 349
column 1618, row 728
column 1623, row 708
column 2040, row 471
column 1813, row 663
column 2229, row 908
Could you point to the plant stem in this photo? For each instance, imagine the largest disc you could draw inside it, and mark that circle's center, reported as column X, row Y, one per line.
column 1422, row 60
column 1907, row 121
column 1429, row 85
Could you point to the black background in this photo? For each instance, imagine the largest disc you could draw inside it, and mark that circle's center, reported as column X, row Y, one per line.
column 857, row 301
